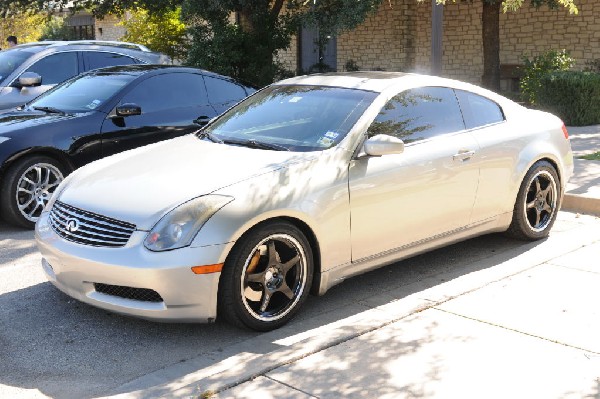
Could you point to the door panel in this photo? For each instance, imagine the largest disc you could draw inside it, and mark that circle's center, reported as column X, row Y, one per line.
column 398, row 200
column 429, row 189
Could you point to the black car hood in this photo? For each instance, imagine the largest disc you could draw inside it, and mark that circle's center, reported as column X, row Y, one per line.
column 12, row 122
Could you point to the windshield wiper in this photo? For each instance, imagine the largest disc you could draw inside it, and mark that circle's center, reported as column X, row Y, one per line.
column 257, row 144
column 50, row 110
column 204, row 134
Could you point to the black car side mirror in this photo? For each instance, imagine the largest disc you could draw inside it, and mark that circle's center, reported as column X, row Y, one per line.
column 128, row 109
column 202, row 120
column 30, row 79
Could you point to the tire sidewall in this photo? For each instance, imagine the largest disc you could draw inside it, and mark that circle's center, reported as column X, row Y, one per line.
column 231, row 304
column 520, row 224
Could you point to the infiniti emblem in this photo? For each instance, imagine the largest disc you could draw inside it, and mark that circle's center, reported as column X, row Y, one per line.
column 72, row 225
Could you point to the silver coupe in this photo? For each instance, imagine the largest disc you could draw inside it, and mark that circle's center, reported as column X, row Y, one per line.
column 309, row 181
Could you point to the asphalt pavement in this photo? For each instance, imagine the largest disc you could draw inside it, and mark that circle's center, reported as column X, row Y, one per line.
column 490, row 317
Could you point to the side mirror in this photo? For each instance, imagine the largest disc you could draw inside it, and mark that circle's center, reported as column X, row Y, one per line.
column 202, row 120
column 382, row 144
column 128, row 109
column 30, row 79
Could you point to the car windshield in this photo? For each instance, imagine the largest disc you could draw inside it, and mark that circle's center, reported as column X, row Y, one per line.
column 10, row 60
column 84, row 93
column 295, row 118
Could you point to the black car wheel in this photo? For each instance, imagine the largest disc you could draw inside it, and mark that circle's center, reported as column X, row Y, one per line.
column 266, row 277
column 537, row 203
column 27, row 187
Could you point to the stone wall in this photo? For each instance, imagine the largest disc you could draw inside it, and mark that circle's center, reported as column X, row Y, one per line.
column 530, row 32
column 461, row 43
column 384, row 41
column 108, row 28
column 526, row 32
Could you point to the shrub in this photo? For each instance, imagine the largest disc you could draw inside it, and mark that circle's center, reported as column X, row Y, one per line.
column 572, row 95
column 539, row 66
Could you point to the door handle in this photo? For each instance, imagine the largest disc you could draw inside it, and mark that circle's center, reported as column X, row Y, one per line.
column 463, row 155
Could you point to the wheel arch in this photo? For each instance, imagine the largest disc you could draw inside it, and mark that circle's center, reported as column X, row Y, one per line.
column 308, row 233
column 32, row 152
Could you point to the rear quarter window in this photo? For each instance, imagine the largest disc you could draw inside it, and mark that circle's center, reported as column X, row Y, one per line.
column 479, row 111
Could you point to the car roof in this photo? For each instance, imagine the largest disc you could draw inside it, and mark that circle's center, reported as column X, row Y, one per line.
column 143, row 69
column 381, row 81
column 103, row 43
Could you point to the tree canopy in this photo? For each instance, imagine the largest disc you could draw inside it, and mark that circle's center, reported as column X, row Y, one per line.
column 242, row 38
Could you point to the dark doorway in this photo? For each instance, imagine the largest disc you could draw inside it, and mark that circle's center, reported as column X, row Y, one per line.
column 314, row 58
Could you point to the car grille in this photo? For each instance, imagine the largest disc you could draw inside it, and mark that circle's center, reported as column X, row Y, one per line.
column 88, row 228
column 139, row 294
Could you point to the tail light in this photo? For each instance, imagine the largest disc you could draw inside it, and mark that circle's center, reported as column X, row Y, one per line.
column 565, row 131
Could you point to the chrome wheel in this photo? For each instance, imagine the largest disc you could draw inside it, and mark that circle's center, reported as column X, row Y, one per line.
column 274, row 277
column 35, row 187
column 541, row 200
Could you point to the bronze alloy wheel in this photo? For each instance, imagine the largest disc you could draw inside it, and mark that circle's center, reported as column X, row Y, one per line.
column 267, row 277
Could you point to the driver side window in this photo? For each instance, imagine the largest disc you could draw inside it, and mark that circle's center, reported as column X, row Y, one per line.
column 419, row 114
column 56, row 68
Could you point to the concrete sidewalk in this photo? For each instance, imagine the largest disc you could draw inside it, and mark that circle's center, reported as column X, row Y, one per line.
column 523, row 323
column 583, row 189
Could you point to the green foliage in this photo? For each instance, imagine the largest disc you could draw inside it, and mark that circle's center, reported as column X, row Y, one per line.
column 572, row 95
column 538, row 67
column 592, row 65
column 246, row 46
column 26, row 27
column 57, row 29
column 244, row 49
column 351, row 66
column 591, row 157
column 163, row 32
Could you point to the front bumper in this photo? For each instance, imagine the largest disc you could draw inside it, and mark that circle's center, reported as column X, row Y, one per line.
column 77, row 270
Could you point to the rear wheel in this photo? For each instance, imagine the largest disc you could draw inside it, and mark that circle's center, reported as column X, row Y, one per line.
column 537, row 203
column 266, row 277
column 27, row 187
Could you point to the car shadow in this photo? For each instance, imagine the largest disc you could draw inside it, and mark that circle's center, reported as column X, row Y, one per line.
column 63, row 348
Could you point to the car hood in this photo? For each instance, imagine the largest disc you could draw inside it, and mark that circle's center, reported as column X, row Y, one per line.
column 141, row 185
column 11, row 122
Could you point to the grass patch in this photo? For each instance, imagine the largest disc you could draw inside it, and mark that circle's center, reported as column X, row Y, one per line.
column 591, row 157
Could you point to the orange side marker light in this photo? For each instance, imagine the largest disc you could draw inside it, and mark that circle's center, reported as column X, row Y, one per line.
column 207, row 269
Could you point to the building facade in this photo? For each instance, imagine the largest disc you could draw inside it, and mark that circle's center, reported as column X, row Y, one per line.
column 398, row 38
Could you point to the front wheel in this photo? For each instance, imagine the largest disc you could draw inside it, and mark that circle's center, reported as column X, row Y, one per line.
column 267, row 277
column 27, row 187
column 537, row 203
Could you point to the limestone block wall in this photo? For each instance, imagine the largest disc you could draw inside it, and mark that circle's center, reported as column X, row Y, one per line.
column 108, row 29
column 289, row 57
column 384, row 41
column 462, row 47
column 530, row 32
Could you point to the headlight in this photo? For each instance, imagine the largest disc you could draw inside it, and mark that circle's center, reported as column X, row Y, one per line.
column 178, row 228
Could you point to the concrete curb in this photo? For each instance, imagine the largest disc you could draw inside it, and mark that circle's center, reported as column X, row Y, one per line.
column 581, row 204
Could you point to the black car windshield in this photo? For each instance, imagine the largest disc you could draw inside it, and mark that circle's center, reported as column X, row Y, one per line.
column 84, row 93
column 10, row 60
column 296, row 118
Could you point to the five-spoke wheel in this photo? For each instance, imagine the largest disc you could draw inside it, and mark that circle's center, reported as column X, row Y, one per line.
column 266, row 277
column 27, row 188
column 537, row 203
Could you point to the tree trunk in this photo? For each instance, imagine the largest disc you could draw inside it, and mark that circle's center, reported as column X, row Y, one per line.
column 490, row 23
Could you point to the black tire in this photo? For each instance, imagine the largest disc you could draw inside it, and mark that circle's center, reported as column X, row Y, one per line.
column 537, row 203
column 266, row 277
column 27, row 187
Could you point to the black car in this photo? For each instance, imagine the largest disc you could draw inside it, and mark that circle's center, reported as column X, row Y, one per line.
column 96, row 114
